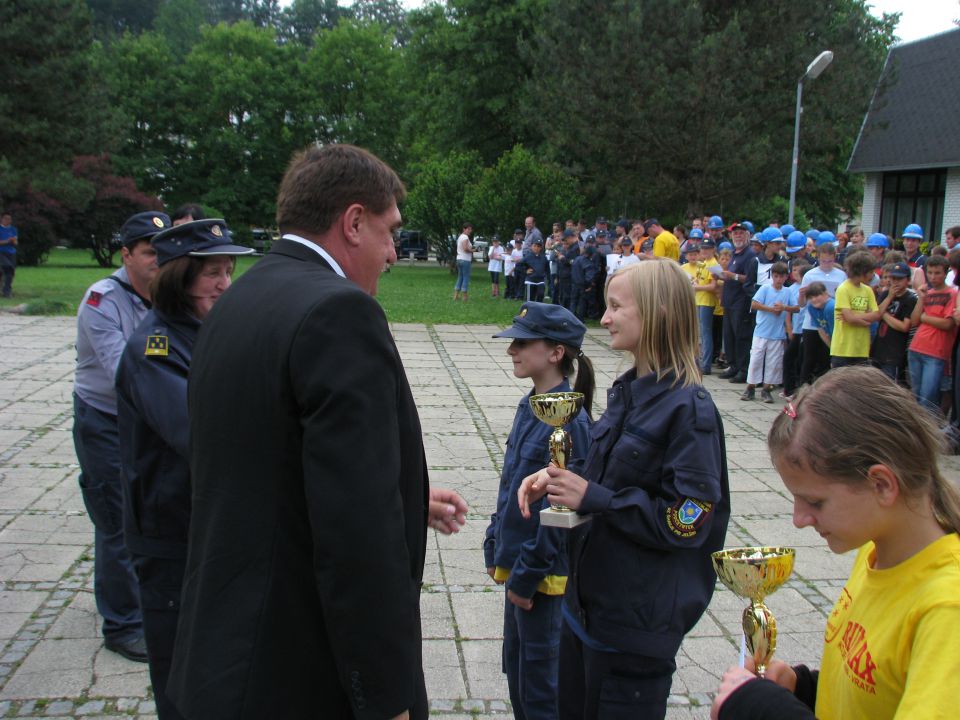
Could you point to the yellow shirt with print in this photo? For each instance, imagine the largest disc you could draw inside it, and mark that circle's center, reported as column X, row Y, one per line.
column 666, row 245
column 703, row 276
column 890, row 647
column 852, row 341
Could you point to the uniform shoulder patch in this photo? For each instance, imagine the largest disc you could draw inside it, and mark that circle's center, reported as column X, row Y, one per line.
column 686, row 516
column 156, row 345
column 94, row 298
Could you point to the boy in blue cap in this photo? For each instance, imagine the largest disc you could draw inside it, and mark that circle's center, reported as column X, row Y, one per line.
column 529, row 559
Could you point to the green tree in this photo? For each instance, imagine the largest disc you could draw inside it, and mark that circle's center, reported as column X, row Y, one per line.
column 303, row 19
column 435, row 203
column 517, row 186
column 113, row 17
column 179, row 22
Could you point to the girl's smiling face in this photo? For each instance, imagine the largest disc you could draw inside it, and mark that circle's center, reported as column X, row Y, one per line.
column 622, row 318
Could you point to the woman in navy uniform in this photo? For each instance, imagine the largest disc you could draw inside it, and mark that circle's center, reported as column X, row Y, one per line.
column 196, row 264
column 655, row 485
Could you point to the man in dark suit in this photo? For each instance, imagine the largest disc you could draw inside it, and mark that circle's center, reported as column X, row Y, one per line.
column 310, row 492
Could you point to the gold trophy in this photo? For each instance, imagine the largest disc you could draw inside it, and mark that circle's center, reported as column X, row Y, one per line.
column 754, row 573
column 556, row 410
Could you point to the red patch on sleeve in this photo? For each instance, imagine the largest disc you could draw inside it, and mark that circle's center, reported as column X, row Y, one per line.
column 94, row 299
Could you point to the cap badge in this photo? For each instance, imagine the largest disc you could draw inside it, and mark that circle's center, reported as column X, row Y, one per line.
column 158, row 222
column 216, row 231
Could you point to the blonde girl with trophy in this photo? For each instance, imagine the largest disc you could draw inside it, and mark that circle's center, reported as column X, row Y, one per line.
column 655, row 487
column 859, row 456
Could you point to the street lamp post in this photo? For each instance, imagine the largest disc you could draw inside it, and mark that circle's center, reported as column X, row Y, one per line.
column 813, row 72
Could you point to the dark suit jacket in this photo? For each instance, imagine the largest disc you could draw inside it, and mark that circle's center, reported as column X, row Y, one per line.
column 308, row 535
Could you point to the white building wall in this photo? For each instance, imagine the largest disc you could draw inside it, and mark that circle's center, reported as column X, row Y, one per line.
column 951, row 202
column 872, row 195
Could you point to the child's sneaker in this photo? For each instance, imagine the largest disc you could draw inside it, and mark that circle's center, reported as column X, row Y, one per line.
column 766, row 396
column 748, row 394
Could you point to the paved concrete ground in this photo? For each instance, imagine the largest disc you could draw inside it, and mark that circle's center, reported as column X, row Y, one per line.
column 52, row 662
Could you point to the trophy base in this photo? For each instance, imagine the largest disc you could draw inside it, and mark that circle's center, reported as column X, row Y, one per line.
column 567, row 519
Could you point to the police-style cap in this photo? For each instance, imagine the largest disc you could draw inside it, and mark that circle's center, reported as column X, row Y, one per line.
column 200, row 238
column 143, row 226
column 542, row 321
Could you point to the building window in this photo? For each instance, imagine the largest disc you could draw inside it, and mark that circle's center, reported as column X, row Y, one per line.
column 913, row 197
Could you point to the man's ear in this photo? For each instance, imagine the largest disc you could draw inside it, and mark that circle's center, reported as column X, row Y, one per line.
column 351, row 223
column 884, row 484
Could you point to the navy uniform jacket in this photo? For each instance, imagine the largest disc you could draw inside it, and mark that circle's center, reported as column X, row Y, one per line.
column 584, row 271
column 565, row 258
column 640, row 571
column 154, row 435
column 529, row 551
column 540, row 266
column 741, row 293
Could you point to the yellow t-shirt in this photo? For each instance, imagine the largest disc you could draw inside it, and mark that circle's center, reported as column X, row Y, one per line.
column 666, row 245
column 890, row 647
column 703, row 276
column 851, row 341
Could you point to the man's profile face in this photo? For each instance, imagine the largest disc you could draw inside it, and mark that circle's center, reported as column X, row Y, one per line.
column 951, row 240
column 376, row 247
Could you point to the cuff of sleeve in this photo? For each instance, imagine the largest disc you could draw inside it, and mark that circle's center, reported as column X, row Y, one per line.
column 596, row 499
column 488, row 554
column 523, row 584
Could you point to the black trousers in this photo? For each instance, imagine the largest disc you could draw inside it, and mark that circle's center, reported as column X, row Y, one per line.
column 738, row 335
column 791, row 363
column 816, row 357
column 611, row 686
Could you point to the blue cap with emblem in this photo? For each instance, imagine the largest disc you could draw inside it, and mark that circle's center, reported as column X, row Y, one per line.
column 542, row 321
column 143, row 226
column 200, row 238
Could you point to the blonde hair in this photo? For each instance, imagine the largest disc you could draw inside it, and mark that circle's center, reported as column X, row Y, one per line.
column 843, row 424
column 669, row 336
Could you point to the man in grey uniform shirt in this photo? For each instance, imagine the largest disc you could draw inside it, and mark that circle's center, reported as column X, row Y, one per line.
column 110, row 311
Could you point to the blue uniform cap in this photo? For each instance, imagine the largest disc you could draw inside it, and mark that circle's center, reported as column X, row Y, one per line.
column 877, row 240
column 825, row 237
column 715, row 223
column 913, row 231
column 143, row 226
column 543, row 321
column 696, row 234
column 200, row 238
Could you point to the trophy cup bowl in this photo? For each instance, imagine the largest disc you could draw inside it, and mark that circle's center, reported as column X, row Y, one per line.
column 754, row 573
column 556, row 410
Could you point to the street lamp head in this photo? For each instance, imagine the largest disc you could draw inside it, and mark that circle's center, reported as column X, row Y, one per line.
column 819, row 64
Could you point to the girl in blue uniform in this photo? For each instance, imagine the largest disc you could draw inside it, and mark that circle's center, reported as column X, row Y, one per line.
column 655, row 485
column 532, row 560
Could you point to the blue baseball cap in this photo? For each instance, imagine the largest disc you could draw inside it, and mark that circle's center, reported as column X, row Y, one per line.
column 812, row 233
column 771, row 234
column 696, row 233
column 543, row 321
column 725, row 246
column 143, row 226
column 707, row 243
column 825, row 237
column 913, row 231
column 785, row 230
column 715, row 223
column 796, row 241
column 199, row 238
column 748, row 225
column 877, row 240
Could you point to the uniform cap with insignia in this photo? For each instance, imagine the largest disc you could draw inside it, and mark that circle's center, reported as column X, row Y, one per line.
column 199, row 238
column 543, row 321
column 143, row 226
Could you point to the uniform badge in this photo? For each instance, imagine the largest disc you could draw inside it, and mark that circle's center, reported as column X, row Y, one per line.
column 156, row 345
column 523, row 313
column 158, row 222
column 93, row 299
column 687, row 515
column 216, row 231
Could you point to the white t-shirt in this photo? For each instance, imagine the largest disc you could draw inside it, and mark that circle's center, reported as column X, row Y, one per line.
column 495, row 255
column 831, row 281
column 463, row 248
column 615, row 262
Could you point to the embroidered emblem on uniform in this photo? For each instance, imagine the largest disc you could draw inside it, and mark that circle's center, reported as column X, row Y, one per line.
column 156, row 345
column 94, row 299
column 158, row 222
column 215, row 230
column 687, row 515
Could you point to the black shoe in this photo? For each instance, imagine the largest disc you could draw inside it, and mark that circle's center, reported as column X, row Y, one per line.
column 727, row 374
column 135, row 649
column 739, row 378
column 748, row 394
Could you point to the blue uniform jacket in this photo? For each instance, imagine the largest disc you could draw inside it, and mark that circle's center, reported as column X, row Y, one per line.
column 736, row 292
column 584, row 271
column 530, row 551
column 154, row 435
column 640, row 571
column 565, row 259
column 539, row 264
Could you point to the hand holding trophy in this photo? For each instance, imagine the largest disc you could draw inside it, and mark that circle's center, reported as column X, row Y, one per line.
column 754, row 573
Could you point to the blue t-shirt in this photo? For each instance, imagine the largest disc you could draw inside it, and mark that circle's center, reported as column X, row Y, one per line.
column 771, row 326
column 6, row 233
column 822, row 319
column 796, row 319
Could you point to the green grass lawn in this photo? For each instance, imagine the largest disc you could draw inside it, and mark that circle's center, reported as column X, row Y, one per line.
column 418, row 293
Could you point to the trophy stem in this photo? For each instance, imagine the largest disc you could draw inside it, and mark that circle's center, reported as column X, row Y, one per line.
column 760, row 632
column 561, row 446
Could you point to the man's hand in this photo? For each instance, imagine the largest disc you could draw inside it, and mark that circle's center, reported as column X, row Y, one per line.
column 521, row 602
column 448, row 511
column 491, row 571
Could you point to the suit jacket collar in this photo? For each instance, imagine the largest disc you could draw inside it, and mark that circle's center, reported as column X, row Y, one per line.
column 295, row 250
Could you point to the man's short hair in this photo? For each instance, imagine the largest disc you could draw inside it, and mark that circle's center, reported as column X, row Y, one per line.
column 816, row 289
column 859, row 264
column 938, row 261
column 779, row 268
column 322, row 182
column 827, row 249
column 191, row 210
column 953, row 231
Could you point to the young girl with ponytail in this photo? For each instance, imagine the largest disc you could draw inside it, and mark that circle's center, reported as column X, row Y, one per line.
column 532, row 560
column 859, row 456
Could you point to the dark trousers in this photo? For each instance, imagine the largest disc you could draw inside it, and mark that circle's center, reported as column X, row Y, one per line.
column 534, row 290
column 160, row 582
column 8, row 266
column 611, row 686
column 816, row 357
column 97, row 443
column 563, row 292
column 531, row 656
column 717, row 336
column 791, row 363
column 738, row 336
column 581, row 301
